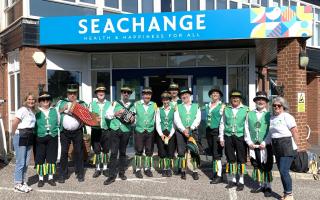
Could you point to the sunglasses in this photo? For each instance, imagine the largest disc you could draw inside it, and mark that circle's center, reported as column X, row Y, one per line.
column 277, row 105
column 126, row 92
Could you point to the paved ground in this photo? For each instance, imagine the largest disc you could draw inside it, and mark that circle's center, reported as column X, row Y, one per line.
column 147, row 188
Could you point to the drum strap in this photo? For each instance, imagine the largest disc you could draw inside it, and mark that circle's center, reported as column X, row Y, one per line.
column 119, row 102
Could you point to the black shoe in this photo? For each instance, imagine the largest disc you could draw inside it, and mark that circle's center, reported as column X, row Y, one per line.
column 122, row 176
column 164, row 173
column 138, row 174
column 268, row 192
column 109, row 180
column 195, row 176
column 80, row 178
column 96, row 174
column 240, row 187
column 105, row 173
column 148, row 173
column 61, row 179
column 257, row 190
column 230, row 185
column 169, row 173
column 52, row 182
column 183, row 175
column 40, row 183
column 216, row 180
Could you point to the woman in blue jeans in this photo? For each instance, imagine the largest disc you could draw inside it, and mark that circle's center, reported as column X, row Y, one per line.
column 22, row 127
column 284, row 134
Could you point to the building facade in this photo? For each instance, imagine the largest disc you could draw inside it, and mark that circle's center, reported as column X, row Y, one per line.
column 269, row 62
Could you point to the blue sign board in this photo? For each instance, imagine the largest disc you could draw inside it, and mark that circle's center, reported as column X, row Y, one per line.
column 178, row 26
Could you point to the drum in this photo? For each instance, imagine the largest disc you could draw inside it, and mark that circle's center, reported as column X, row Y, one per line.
column 84, row 115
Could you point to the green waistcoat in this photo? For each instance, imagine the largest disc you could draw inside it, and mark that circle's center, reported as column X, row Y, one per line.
column 187, row 118
column 104, row 123
column 145, row 119
column 213, row 117
column 258, row 129
column 47, row 125
column 61, row 104
column 234, row 125
column 166, row 120
column 116, row 124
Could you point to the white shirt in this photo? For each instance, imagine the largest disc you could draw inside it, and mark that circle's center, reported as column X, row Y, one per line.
column 110, row 111
column 247, row 137
column 178, row 122
column 158, row 120
column 221, row 126
column 27, row 118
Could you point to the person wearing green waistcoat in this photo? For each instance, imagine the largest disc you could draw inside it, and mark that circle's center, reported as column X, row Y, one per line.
column 120, row 133
column 100, row 134
column 231, row 134
column 174, row 92
column 46, row 130
column 187, row 119
column 72, row 130
column 214, row 110
column 261, row 157
column 166, row 135
column 145, row 110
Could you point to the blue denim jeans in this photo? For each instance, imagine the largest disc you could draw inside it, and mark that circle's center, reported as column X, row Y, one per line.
column 22, row 159
column 284, row 164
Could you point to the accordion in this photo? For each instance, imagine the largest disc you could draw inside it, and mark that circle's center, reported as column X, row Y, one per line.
column 84, row 115
column 126, row 116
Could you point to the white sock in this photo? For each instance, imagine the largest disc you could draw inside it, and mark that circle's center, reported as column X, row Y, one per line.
column 40, row 178
column 138, row 169
column 105, row 166
column 241, row 180
column 219, row 168
column 232, row 178
column 261, row 185
column 50, row 176
column 98, row 167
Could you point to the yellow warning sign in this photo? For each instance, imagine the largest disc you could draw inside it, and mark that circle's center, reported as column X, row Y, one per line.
column 301, row 102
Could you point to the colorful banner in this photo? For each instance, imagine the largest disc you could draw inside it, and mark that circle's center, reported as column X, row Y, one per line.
column 277, row 22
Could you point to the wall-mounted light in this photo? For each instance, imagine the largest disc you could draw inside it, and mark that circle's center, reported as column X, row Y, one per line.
column 39, row 58
column 303, row 58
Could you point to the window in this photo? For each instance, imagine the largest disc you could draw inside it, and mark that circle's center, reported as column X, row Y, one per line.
column 293, row 3
column 154, row 59
column 317, row 14
column 245, row 6
column 100, row 61
column 180, row 5
column 276, row 3
column 14, row 13
column 238, row 57
column 125, row 60
column 194, row 5
column 111, row 3
column 166, row 6
column 238, row 80
column 264, row 3
column 221, row 4
column 98, row 76
column 317, row 34
column 211, row 58
column 233, row 5
column 182, row 59
column 285, row 2
column 70, row 0
column 12, row 93
column 210, row 5
column 147, row 6
column 88, row 1
column 130, row 6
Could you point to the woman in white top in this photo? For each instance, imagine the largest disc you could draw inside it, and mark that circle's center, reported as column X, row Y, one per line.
column 284, row 134
column 22, row 127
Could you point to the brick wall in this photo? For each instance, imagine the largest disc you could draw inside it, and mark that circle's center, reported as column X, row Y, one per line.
column 4, row 91
column 313, row 106
column 294, row 80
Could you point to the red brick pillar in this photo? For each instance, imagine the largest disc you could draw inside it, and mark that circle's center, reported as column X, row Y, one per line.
column 294, row 80
column 30, row 74
column 313, row 106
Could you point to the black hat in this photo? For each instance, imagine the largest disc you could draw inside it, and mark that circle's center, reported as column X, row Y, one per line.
column 261, row 95
column 173, row 86
column 44, row 95
column 100, row 87
column 126, row 88
column 147, row 90
column 185, row 90
column 165, row 95
column 72, row 88
column 215, row 89
column 235, row 93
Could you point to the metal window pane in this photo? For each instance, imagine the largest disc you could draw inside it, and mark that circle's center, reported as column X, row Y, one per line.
column 18, row 90
column 12, row 93
column 221, row 4
column 264, row 3
column 317, row 34
column 210, row 5
column 238, row 57
column 154, row 60
column 130, row 6
column 275, row 3
column 233, row 5
column 180, row 5
column 245, row 6
column 211, row 58
column 99, row 61
column 147, row 6
column 131, row 60
column 317, row 14
column 238, row 80
column 285, row 2
column 101, row 77
column 70, row 0
column 194, row 5
column 166, row 5
column 88, row 1
column 111, row 3
column 293, row 3
column 182, row 59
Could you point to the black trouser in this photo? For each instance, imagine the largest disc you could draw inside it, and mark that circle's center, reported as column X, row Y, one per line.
column 76, row 137
column 213, row 140
column 118, row 143
column 182, row 142
column 235, row 145
column 144, row 141
column 46, row 150
column 256, row 163
column 100, row 141
column 166, row 150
